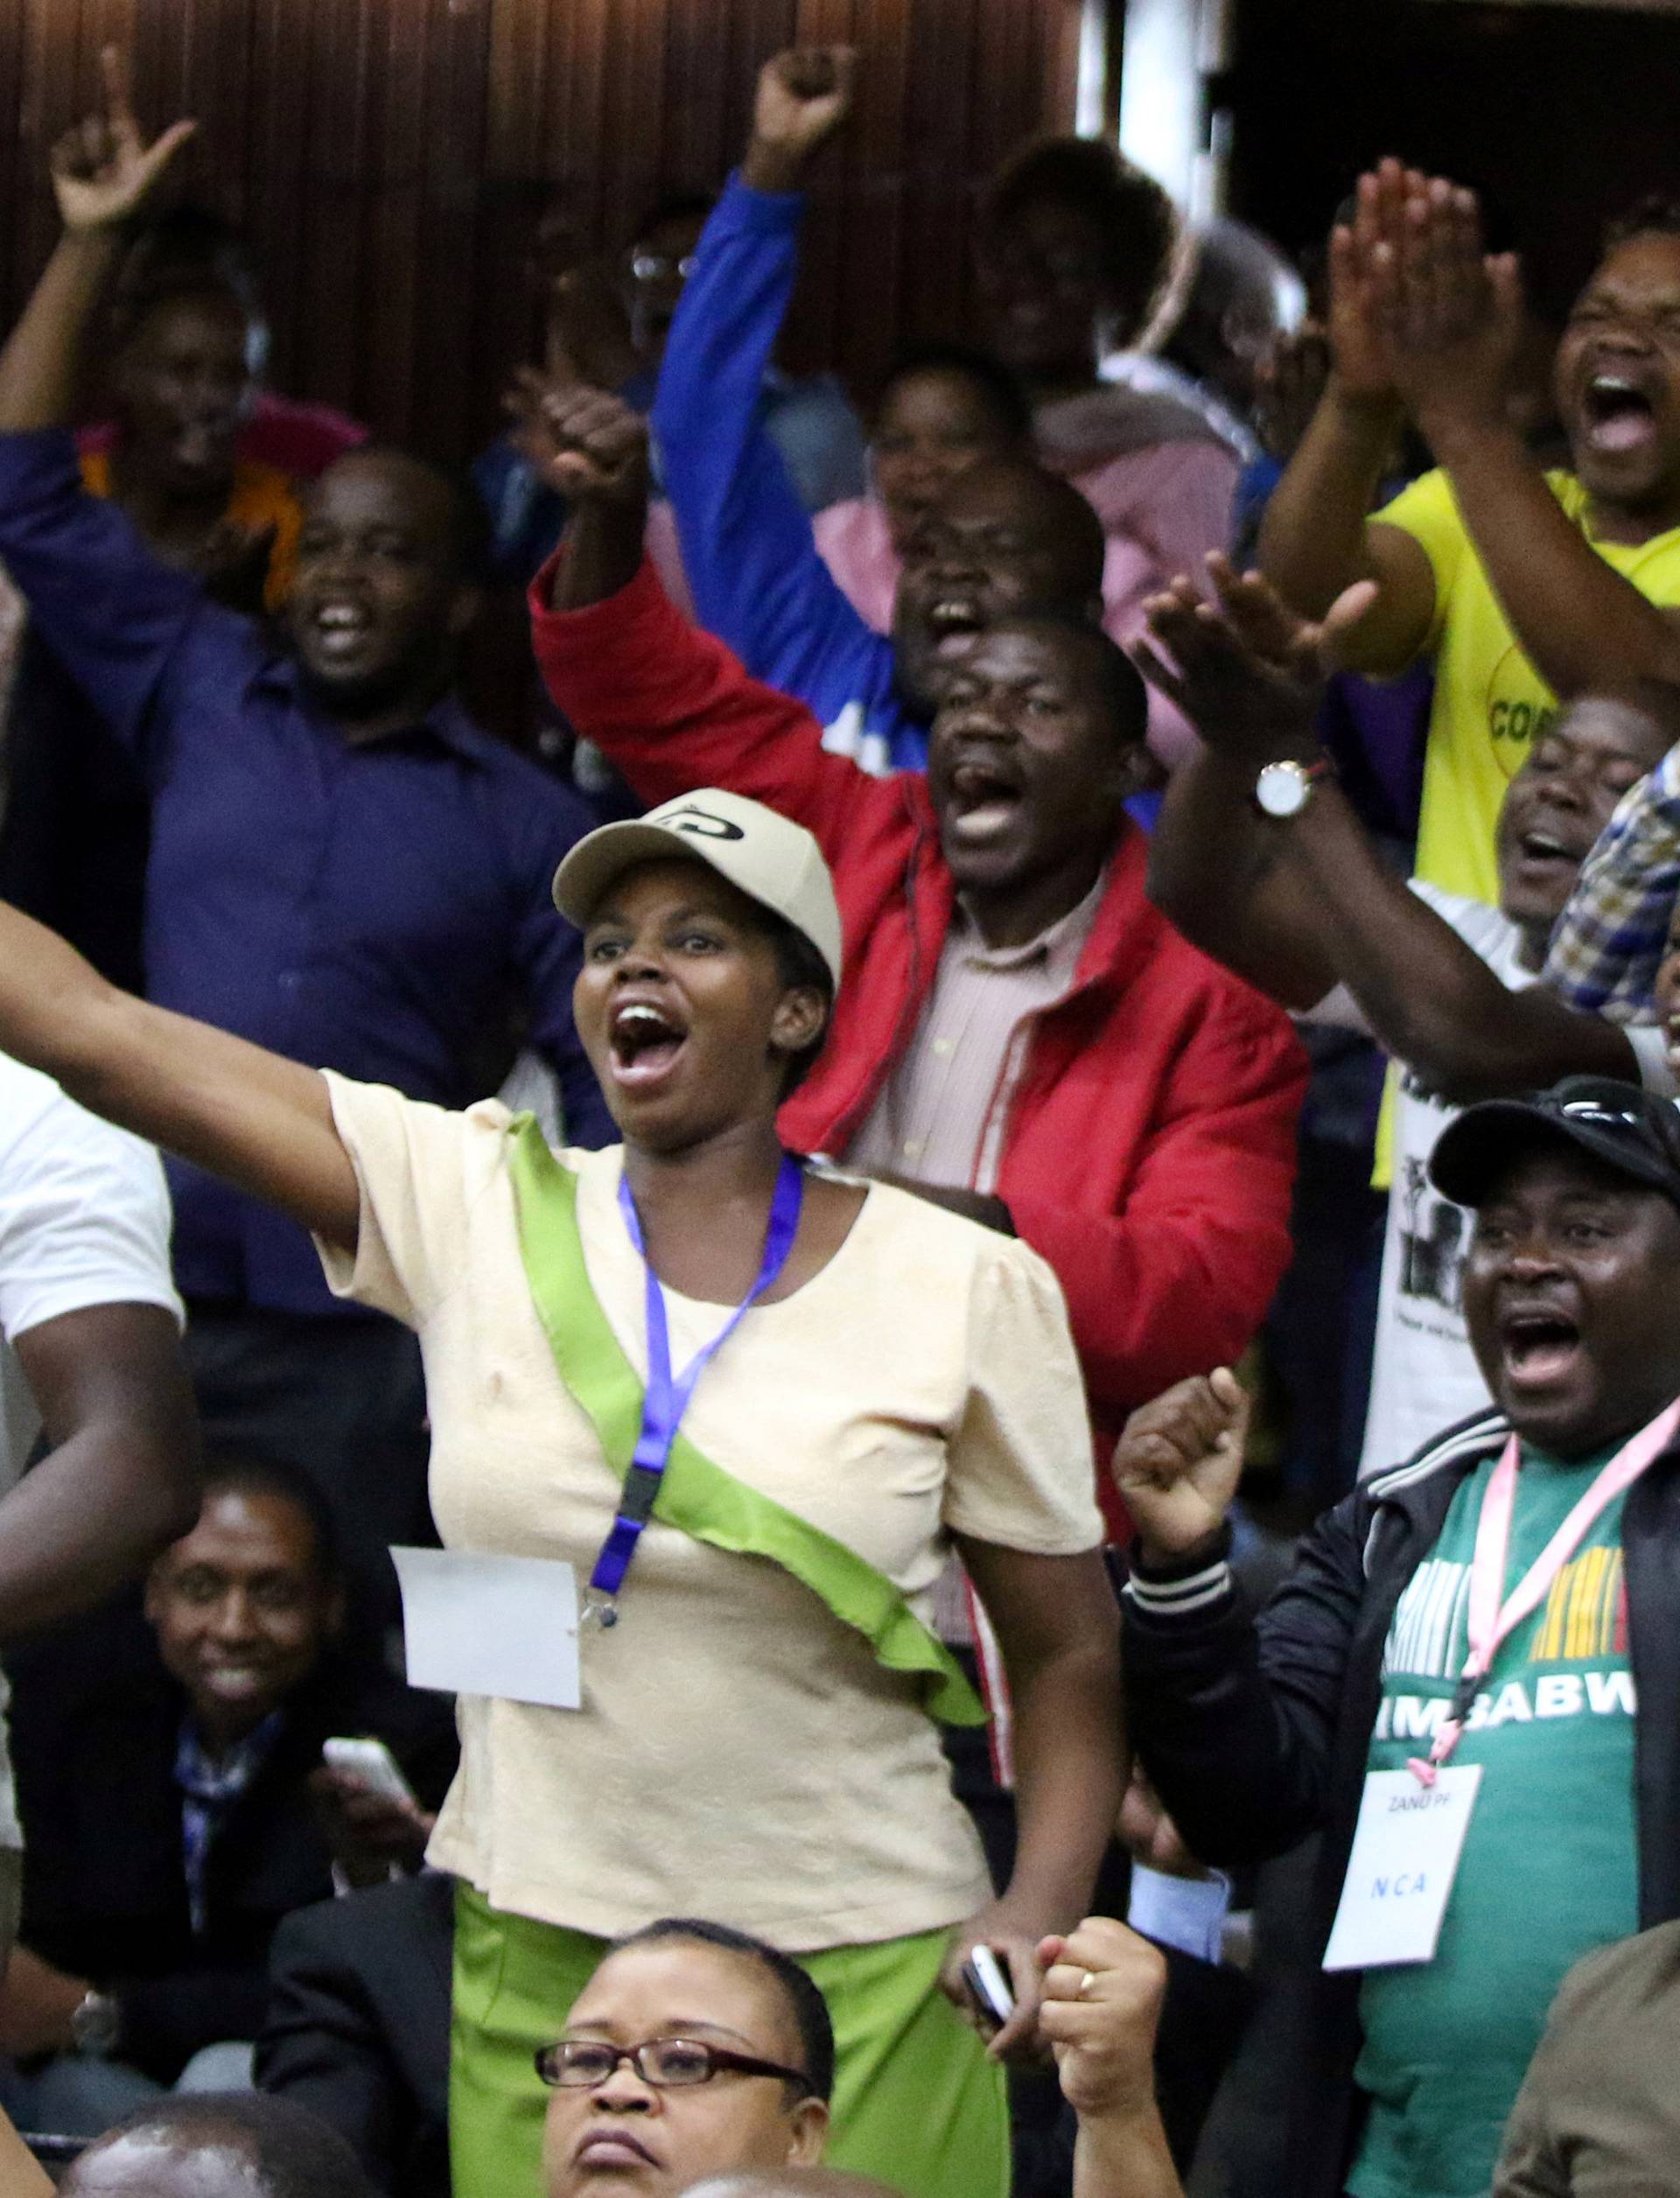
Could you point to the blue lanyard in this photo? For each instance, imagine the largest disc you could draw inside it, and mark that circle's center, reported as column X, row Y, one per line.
column 666, row 1398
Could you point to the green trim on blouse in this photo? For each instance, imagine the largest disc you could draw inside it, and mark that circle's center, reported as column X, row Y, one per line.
column 695, row 1495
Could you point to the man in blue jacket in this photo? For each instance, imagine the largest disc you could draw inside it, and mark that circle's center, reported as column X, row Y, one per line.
column 1501, row 1612
column 1006, row 533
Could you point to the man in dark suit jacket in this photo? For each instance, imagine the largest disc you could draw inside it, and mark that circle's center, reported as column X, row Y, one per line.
column 358, row 2026
column 166, row 1788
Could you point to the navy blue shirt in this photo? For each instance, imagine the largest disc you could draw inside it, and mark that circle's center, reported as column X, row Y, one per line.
column 363, row 908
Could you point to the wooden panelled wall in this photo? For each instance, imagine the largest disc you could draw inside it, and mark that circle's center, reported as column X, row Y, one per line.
column 388, row 157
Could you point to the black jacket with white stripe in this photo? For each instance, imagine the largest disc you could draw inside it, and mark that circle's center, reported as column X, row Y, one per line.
column 1255, row 1728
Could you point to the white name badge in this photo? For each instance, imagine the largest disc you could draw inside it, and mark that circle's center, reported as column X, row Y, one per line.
column 1406, row 1849
column 503, row 1626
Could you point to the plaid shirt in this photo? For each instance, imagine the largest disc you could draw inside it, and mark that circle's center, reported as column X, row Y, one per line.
column 1611, row 938
column 209, row 1790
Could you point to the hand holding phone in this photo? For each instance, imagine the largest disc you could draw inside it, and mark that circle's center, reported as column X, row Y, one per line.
column 372, row 1762
column 989, row 1986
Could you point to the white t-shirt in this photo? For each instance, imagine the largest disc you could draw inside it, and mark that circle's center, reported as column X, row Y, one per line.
column 1424, row 1373
column 740, row 1752
column 84, row 1221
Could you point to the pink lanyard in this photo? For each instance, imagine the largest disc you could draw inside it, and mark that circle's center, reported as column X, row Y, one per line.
column 1490, row 1620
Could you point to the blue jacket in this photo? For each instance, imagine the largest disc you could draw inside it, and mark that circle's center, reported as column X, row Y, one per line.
column 753, row 566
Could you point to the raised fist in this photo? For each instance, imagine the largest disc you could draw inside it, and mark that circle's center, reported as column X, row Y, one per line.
column 1178, row 1461
column 803, row 96
column 104, row 171
column 587, row 446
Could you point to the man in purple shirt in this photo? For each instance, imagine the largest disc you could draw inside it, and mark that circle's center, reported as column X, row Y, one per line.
column 343, row 867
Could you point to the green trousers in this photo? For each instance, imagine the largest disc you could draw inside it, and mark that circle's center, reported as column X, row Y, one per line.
column 916, row 2102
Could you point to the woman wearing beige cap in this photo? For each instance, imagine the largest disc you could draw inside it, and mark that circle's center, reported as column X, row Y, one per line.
column 743, row 1409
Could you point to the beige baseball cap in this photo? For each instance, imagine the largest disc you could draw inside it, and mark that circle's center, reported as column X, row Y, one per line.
column 772, row 860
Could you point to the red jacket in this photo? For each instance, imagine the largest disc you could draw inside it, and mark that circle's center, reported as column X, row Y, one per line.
column 1149, row 1151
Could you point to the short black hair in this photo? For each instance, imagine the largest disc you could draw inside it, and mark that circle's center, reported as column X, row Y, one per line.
column 1125, row 689
column 251, row 1472
column 1133, row 213
column 468, row 521
column 802, row 1996
column 674, row 205
column 130, row 310
column 1001, row 389
column 1655, row 214
column 294, row 2153
column 798, row 964
column 189, row 240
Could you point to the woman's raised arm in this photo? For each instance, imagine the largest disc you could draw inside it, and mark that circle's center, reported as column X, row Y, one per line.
column 263, row 1122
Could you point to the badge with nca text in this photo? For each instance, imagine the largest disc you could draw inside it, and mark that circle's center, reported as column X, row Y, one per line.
column 1406, row 1849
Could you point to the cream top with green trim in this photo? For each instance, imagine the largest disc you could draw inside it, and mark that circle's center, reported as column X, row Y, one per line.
column 740, row 1751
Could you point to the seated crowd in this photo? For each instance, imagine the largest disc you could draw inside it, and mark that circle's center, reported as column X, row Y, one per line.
column 644, row 1633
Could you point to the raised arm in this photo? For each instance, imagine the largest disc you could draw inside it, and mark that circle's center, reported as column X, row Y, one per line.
column 748, row 551
column 1317, row 539
column 1428, row 997
column 103, row 174
column 1235, row 1722
column 1216, row 866
column 669, row 705
column 1455, row 319
column 263, row 1122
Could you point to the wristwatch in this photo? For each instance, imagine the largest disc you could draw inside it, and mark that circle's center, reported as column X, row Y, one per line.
column 1284, row 789
column 94, row 2024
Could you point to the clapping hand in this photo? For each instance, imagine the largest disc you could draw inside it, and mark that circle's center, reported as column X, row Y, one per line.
column 104, row 171
column 1244, row 668
column 1361, row 249
column 1453, row 314
column 803, row 96
column 1178, row 1461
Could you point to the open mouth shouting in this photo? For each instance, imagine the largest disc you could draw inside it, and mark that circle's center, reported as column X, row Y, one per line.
column 1543, row 854
column 1539, row 1346
column 1619, row 412
column 952, row 619
column 983, row 800
column 340, row 625
column 645, row 1039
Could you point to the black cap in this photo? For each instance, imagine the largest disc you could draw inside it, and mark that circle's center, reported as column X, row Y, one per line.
column 1621, row 1127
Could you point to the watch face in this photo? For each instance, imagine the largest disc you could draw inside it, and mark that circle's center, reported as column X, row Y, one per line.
column 1282, row 788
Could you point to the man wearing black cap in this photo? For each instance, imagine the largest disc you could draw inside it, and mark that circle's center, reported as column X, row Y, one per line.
column 1460, row 1638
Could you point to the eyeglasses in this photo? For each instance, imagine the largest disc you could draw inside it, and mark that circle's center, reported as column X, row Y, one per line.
column 670, row 2064
column 659, row 266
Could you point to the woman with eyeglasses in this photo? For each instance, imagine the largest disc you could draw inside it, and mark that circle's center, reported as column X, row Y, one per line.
column 745, row 1407
column 693, row 2050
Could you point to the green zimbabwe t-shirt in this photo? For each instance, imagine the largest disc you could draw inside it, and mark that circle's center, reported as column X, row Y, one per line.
column 1549, row 1868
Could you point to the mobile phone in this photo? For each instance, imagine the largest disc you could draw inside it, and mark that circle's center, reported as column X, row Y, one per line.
column 989, row 1985
column 373, row 1763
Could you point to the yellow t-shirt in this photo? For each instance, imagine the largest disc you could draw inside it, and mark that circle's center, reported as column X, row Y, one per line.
column 739, row 1753
column 261, row 496
column 1489, row 700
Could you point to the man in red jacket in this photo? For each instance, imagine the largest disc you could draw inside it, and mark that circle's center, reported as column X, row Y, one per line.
column 1020, row 1036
